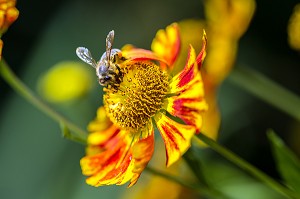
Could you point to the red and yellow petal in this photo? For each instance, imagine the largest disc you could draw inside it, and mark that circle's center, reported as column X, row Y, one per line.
column 117, row 175
column 101, row 122
column 99, row 155
column 113, row 165
column 118, row 157
column 102, row 137
column 142, row 152
column 202, row 54
column 188, row 110
column 187, row 75
column 177, row 137
column 188, row 101
column 133, row 164
column 166, row 44
column 138, row 54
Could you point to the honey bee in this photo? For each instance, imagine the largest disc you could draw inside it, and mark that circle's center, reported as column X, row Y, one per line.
column 107, row 68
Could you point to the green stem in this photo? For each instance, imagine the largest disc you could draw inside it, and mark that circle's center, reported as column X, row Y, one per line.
column 246, row 166
column 28, row 94
column 267, row 90
column 196, row 166
column 203, row 191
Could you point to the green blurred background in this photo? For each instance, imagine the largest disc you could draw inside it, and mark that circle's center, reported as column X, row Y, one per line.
column 36, row 162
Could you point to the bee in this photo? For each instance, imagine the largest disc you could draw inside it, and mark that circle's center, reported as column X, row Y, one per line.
column 107, row 68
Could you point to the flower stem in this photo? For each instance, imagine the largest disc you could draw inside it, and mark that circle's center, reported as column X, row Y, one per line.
column 246, row 166
column 201, row 190
column 266, row 89
column 29, row 95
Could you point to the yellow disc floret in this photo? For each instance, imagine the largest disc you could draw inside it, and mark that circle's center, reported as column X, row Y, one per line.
column 139, row 96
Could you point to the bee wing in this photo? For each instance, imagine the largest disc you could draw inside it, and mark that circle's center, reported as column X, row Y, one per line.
column 85, row 55
column 109, row 42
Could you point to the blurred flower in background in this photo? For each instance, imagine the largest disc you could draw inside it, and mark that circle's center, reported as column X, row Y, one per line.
column 294, row 28
column 66, row 81
column 226, row 22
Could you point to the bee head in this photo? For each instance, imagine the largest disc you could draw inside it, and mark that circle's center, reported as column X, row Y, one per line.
column 105, row 79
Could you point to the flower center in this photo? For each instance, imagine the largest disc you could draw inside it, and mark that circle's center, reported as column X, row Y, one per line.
column 138, row 97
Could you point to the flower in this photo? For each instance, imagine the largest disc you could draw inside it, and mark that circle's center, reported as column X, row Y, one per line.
column 147, row 95
column 231, row 13
column 65, row 81
column 8, row 14
column 226, row 21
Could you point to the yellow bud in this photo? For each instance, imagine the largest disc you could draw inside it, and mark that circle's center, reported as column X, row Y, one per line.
column 66, row 81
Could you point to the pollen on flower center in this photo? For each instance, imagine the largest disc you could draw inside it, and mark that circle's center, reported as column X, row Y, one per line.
column 138, row 97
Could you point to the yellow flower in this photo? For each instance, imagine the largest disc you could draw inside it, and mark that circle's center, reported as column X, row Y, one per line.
column 294, row 28
column 8, row 14
column 65, row 81
column 226, row 21
column 142, row 94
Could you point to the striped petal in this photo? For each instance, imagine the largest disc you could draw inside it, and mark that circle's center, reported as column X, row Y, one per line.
column 177, row 137
column 166, row 44
column 142, row 152
column 188, row 101
column 118, row 157
column 131, row 53
column 115, row 172
column 102, row 137
column 102, row 159
column 134, row 163
column 202, row 54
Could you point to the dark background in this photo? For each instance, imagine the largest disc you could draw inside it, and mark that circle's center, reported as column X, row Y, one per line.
column 37, row 163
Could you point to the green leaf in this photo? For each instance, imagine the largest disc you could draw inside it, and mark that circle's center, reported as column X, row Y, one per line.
column 287, row 162
column 267, row 90
column 66, row 133
column 238, row 161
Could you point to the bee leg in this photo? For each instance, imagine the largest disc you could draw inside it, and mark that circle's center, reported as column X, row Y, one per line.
column 115, row 77
column 116, row 72
column 119, row 70
column 120, row 75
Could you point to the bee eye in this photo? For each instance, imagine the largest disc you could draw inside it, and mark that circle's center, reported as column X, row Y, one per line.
column 100, row 70
column 106, row 78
